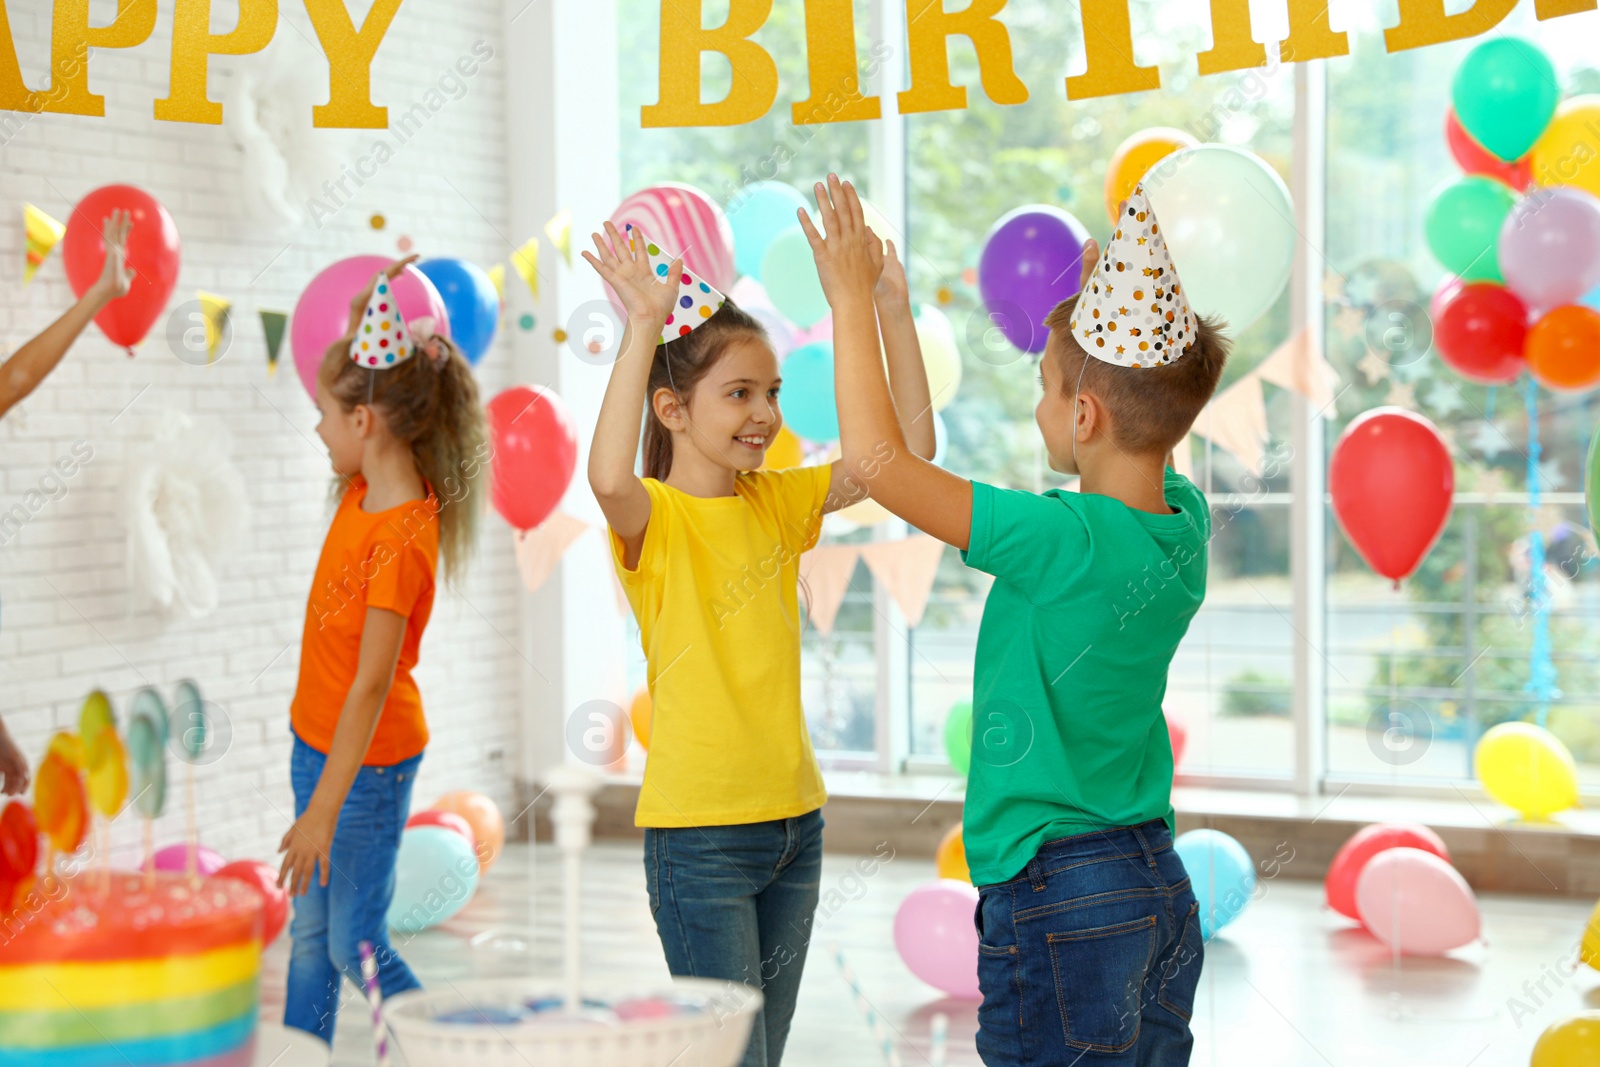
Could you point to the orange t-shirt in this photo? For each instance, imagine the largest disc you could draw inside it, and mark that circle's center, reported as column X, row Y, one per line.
column 385, row 560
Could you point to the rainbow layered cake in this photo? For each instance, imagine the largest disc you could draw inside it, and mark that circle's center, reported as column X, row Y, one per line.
column 109, row 969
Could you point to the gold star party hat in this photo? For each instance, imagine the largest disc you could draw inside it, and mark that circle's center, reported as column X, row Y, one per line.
column 1134, row 313
column 698, row 299
column 382, row 339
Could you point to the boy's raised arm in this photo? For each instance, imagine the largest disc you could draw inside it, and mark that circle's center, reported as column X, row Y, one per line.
column 875, row 450
column 908, row 375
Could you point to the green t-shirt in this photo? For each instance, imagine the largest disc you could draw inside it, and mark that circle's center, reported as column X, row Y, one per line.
column 1089, row 602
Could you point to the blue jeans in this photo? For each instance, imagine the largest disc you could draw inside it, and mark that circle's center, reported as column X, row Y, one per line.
column 1091, row 956
column 331, row 921
column 736, row 903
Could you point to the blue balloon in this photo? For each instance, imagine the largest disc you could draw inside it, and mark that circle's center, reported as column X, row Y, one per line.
column 759, row 212
column 435, row 875
column 471, row 301
column 807, row 394
column 1221, row 874
column 1591, row 299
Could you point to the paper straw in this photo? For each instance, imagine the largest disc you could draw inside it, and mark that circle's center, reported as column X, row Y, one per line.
column 875, row 1022
column 369, row 978
column 937, row 1039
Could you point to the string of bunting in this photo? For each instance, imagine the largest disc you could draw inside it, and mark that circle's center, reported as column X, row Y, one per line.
column 1236, row 418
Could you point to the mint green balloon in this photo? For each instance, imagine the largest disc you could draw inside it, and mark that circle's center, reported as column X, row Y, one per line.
column 1505, row 93
column 958, row 736
column 789, row 274
column 1463, row 227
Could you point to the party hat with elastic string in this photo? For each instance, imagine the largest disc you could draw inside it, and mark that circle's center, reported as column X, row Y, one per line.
column 383, row 338
column 1133, row 312
column 698, row 299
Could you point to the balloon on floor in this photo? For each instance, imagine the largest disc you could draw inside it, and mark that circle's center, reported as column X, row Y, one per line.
column 1221, row 875
column 483, row 815
column 1573, row 1042
column 934, row 935
column 640, row 715
column 1415, row 902
column 447, row 819
column 951, row 858
column 1526, row 768
column 1344, row 872
column 435, row 876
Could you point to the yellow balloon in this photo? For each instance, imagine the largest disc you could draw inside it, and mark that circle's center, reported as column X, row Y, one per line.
column 784, row 451
column 1567, row 153
column 639, row 713
column 1589, row 947
column 1135, row 156
column 1527, row 769
column 69, row 747
column 1573, row 1042
column 940, row 355
column 952, row 856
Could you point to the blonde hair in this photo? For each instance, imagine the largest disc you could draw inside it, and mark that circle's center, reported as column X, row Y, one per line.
column 433, row 407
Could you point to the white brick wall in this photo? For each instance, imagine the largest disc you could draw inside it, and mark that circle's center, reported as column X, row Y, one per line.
column 68, row 622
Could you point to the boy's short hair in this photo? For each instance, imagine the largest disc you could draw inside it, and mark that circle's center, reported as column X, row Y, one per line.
column 1151, row 407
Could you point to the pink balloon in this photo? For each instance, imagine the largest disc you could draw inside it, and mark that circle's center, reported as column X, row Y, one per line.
column 322, row 315
column 822, row 331
column 1550, row 246
column 686, row 222
column 935, row 936
column 176, row 858
column 1414, row 901
column 1344, row 873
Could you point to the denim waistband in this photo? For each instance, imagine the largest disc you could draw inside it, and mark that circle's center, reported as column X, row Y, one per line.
column 1142, row 843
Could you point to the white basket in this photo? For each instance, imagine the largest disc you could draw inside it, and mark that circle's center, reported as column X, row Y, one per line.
column 715, row 1036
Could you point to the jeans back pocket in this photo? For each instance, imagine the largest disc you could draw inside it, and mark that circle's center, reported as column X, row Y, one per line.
column 1100, row 976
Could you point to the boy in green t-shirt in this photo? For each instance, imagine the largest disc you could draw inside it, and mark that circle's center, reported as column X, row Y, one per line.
column 1090, row 946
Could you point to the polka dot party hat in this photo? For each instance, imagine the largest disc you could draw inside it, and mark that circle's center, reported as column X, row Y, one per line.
column 382, row 339
column 1134, row 312
column 698, row 299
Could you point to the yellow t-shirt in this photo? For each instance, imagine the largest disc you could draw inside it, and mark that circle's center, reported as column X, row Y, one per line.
column 715, row 593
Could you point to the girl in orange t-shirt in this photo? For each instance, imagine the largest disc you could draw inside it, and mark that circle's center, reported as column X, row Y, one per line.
column 405, row 431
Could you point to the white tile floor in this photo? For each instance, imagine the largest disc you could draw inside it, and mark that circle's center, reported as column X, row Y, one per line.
column 1288, row 984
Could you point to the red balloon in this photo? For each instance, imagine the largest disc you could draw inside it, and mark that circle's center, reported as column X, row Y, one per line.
column 1473, row 158
column 1392, row 479
column 263, row 878
column 1178, row 734
column 1366, row 843
column 535, row 453
column 153, row 255
column 447, row 819
column 1480, row 329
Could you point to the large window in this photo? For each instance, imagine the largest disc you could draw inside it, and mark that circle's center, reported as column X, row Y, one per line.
column 1415, row 676
column 1448, row 655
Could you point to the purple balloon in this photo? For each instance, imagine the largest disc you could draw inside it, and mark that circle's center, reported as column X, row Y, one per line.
column 176, row 858
column 1031, row 261
column 1550, row 246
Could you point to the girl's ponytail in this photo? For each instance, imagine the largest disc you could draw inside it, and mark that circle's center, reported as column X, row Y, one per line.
column 430, row 402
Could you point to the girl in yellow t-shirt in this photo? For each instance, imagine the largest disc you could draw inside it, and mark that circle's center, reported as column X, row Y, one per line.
column 707, row 546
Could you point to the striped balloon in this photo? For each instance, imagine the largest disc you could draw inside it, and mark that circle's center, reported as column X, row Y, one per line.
column 687, row 222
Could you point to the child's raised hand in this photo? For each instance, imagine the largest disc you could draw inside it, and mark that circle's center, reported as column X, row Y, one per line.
column 892, row 287
column 850, row 257
column 115, row 276
column 625, row 265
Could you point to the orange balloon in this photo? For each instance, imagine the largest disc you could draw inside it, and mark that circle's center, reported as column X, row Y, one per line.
column 951, row 859
column 59, row 803
column 639, row 713
column 1563, row 348
column 784, row 451
column 481, row 813
column 1134, row 157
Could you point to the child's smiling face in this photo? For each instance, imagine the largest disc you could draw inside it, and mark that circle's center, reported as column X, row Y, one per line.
column 733, row 408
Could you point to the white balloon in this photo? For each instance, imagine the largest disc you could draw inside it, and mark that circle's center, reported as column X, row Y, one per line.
column 1229, row 224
